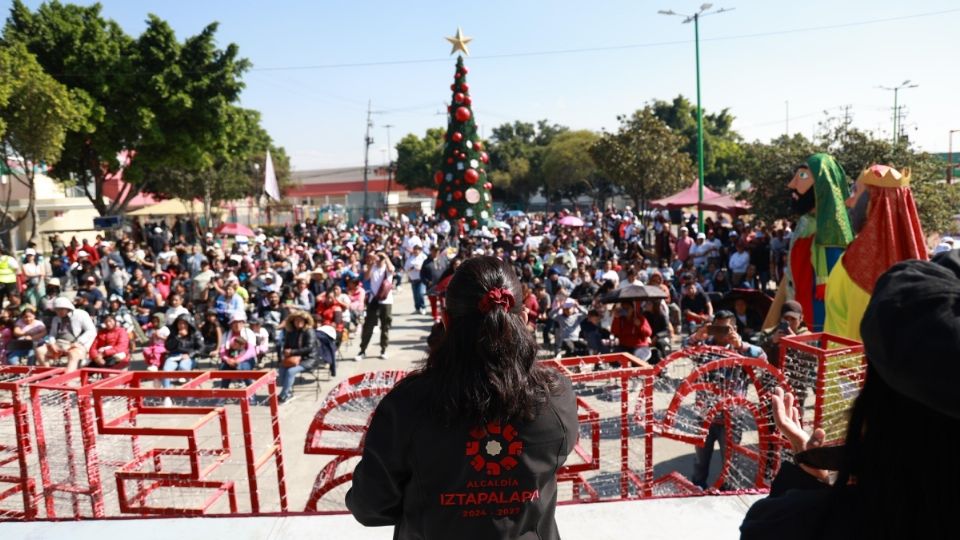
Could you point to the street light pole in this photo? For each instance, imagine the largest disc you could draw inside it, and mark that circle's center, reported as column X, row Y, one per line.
column 703, row 11
column 696, row 39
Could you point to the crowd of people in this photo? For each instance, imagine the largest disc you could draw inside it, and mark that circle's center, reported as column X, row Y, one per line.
column 182, row 297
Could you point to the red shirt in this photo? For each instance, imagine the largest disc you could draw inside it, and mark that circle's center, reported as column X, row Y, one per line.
column 633, row 332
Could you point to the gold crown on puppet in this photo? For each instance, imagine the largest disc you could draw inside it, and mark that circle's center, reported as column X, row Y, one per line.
column 884, row 176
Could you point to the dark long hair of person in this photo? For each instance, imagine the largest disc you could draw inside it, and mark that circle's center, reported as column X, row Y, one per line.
column 483, row 368
column 902, row 456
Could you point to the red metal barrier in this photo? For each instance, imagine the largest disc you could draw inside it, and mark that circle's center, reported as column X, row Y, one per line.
column 16, row 453
column 210, row 452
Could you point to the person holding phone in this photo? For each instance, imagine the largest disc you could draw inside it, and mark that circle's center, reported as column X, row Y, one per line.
column 791, row 324
column 722, row 332
column 379, row 274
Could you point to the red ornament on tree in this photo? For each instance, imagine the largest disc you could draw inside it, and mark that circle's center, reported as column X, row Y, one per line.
column 474, row 224
column 438, row 177
column 478, row 146
column 457, row 195
column 464, row 70
column 449, row 161
column 458, row 97
column 464, row 87
column 488, row 186
column 456, row 75
column 467, row 100
column 452, row 212
column 462, row 114
column 471, row 176
column 457, row 136
column 484, row 157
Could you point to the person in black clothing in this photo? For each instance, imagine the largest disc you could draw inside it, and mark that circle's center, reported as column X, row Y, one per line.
column 596, row 336
column 299, row 352
column 468, row 446
column 429, row 277
column 184, row 345
column 897, row 471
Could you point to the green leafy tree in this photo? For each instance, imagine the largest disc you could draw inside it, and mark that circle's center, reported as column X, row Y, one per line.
column 569, row 169
column 644, row 158
column 36, row 112
column 160, row 103
column 516, row 158
column 417, row 159
column 722, row 146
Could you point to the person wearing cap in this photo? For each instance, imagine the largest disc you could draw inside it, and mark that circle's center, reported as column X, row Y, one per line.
column 111, row 347
column 897, row 471
column 378, row 272
column 791, row 324
column 413, row 266
column 700, row 251
column 32, row 270
column 27, row 334
column 71, row 334
column 888, row 231
column 117, row 278
column 232, row 357
column 92, row 294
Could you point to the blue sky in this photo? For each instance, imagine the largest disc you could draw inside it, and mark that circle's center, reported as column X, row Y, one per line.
column 754, row 60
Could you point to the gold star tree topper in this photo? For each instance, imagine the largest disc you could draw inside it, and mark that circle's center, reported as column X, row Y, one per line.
column 459, row 42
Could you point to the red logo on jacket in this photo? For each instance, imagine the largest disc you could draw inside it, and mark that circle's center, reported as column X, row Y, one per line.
column 494, row 448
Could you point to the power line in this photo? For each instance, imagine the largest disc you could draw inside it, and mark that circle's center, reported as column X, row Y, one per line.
column 605, row 48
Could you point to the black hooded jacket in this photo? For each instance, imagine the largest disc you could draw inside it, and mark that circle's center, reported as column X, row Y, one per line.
column 191, row 344
column 432, row 480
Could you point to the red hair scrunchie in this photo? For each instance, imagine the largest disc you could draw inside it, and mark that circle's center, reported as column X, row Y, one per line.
column 500, row 296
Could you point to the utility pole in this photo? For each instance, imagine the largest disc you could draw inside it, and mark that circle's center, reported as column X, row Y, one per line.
column 386, row 203
column 896, row 107
column 368, row 140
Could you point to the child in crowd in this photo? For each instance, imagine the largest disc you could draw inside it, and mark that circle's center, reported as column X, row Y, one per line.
column 155, row 350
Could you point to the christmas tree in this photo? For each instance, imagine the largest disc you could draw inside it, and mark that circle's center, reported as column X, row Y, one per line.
column 463, row 191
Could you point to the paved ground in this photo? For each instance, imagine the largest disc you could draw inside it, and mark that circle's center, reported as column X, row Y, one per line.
column 408, row 337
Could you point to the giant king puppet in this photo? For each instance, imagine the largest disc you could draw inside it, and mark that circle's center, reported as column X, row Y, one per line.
column 888, row 231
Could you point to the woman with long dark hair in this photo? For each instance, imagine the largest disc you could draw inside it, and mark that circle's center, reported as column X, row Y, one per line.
column 898, row 470
column 469, row 445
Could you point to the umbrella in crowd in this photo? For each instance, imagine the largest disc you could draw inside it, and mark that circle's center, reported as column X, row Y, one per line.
column 379, row 222
column 514, row 213
column 235, row 229
column 756, row 300
column 571, row 221
column 499, row 225
column 634, row 292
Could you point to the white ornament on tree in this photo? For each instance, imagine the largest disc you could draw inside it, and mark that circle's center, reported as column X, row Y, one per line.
column 474, row 163
column 459, row 165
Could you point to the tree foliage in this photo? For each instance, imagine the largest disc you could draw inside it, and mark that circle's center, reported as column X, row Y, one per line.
column 569, row 169
column 722, row 146
column 36, row 112
column 159, row 102
column 516, row 158
column 644, row 157
column 418, row 158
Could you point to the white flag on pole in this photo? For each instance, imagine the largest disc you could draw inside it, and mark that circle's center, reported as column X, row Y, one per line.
column 270, row 185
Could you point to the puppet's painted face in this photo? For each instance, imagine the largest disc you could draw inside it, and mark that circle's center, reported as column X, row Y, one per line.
column 803, row 196
column 857, row 204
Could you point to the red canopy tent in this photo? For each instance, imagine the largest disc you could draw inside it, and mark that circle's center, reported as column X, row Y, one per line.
column 685, row 199
column 726, row 203
column 712, row 200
